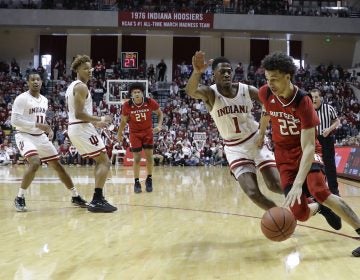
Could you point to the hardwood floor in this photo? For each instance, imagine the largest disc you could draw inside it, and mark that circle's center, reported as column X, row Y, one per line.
column 196, row 224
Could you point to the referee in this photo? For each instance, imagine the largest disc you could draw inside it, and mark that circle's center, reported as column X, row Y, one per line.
column 328, row 123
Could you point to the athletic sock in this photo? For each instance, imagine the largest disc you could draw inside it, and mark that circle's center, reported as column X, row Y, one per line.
column 98, row 193
column 74, row 192
column 21, row 192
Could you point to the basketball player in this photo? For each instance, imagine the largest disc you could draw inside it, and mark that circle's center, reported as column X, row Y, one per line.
column 297, row 151
column 82, row 132
column 28, row 116
column 137, row 113
column 230, row 106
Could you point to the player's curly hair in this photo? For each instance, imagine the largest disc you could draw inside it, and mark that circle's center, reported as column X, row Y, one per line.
column 136, row 85
column 279, row 61
column 218, row 60
column 79, row 59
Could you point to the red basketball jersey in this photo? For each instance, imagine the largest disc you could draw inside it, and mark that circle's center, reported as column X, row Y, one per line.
column 288, row 117
column 140, row 118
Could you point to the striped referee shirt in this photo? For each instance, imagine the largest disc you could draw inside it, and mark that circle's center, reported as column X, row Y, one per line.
column 327, row 115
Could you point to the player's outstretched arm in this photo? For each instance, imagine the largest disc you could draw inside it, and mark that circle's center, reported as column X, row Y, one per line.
column 307, row 158
column 263, row 124
column 254, row 94
column 192, row 88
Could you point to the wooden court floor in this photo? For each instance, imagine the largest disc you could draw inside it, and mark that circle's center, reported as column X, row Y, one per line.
column 197, row 224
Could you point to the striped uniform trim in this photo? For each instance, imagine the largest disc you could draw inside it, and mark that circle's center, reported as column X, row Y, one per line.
column 77, row 122
column 240, row 162
column 94, row 154
column 327, row 114
column 266, row 163
column 31, row 153
column 29, row 133
column 50, row 158
column 234, row 142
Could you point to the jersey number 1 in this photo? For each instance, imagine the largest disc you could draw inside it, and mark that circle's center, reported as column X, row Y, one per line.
column 236, row 123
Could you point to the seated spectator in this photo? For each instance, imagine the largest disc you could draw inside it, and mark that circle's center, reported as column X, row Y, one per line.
column 219, row 155
column 178, row 155
column 72, row 155
column 12, row 152
column 64, row 152
column 4, row 156
column 193, row 159
column 158, row 156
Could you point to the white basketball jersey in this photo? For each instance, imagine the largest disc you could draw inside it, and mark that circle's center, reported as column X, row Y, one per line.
column 233, row 116
column 32, row 108
column 70, row 100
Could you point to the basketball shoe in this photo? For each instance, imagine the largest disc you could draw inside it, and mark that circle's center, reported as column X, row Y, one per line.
column 79, row 201
column 332, row 219
column 137, row 187
column 101, row 206
column 356, row 252
column 148, row 184
column 20, row 204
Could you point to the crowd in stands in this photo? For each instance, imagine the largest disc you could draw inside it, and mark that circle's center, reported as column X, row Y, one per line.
column 183, row 116
column 274, row 7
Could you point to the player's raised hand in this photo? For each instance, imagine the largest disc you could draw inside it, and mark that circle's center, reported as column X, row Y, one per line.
column 199, row 63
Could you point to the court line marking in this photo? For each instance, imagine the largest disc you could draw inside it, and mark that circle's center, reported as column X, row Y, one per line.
column 236, row 214
column 195, row 210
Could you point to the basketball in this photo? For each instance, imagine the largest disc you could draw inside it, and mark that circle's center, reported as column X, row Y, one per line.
column 278, row 224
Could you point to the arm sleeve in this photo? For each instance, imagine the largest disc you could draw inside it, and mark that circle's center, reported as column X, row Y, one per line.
column 17, row 115
column 19, row 120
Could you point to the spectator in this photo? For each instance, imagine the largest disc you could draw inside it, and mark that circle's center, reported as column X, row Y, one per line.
column 161, row 68
column 4, row 156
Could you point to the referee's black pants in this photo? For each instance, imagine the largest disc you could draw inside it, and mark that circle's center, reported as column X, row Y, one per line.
column 328, row 151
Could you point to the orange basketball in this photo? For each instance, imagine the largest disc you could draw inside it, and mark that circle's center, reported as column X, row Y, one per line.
column 278, row 224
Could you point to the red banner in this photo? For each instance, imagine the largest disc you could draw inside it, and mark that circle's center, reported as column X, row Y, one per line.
column 341, row 157
column 165, row 20
column 348, row 162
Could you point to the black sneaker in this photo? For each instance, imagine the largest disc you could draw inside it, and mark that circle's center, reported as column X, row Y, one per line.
column 79, row 201
column 137, row 187
column 148, row 184
column 356, row 252
column 101, row 205
column 332, row 219
column 20, row 204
